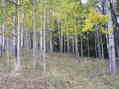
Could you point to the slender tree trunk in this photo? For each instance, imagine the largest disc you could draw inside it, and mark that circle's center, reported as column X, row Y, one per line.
column 96, row 52
column 41, row 38
column 41, row 41
column 111, row 44
column 88, row 45
column 22, row 34
column 34, row 33
column 8, row 47
column 50, row 41
column 98, row 43
column 27, row 42
column 64, row 37
column 68, row 43
column 61, row 41
column 73, row 45
column 14, row 41
column 81, row 40
column 102, row 46
column 18, row 61
column 3, row 27
column 44, row 39
column 3, row 39
column 76, row 46
column 116, row 34
column 0, row 42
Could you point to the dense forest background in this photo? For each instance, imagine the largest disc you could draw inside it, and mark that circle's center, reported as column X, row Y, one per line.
column 39, row 28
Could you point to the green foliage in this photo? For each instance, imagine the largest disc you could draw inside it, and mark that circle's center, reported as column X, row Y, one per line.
column 1, row 20
column 93, row 19
column 74, row 17
column 1, row 17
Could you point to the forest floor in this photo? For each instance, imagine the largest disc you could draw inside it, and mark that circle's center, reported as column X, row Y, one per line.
column 63, row 72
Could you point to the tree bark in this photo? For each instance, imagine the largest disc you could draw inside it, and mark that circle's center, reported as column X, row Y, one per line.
column 34, row 33
column 111, row 44
column 18, row 61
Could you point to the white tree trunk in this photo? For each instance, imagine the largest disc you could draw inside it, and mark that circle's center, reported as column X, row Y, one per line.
column 110, row 43
column 61, row 42
column 98, row 46
column 51, row 45
column 88, row 45
column 18, row 60
column 76, row 46
column 34, row 33
column 44, row 40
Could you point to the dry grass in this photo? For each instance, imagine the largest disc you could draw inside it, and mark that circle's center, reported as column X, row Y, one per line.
column 69, row 72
